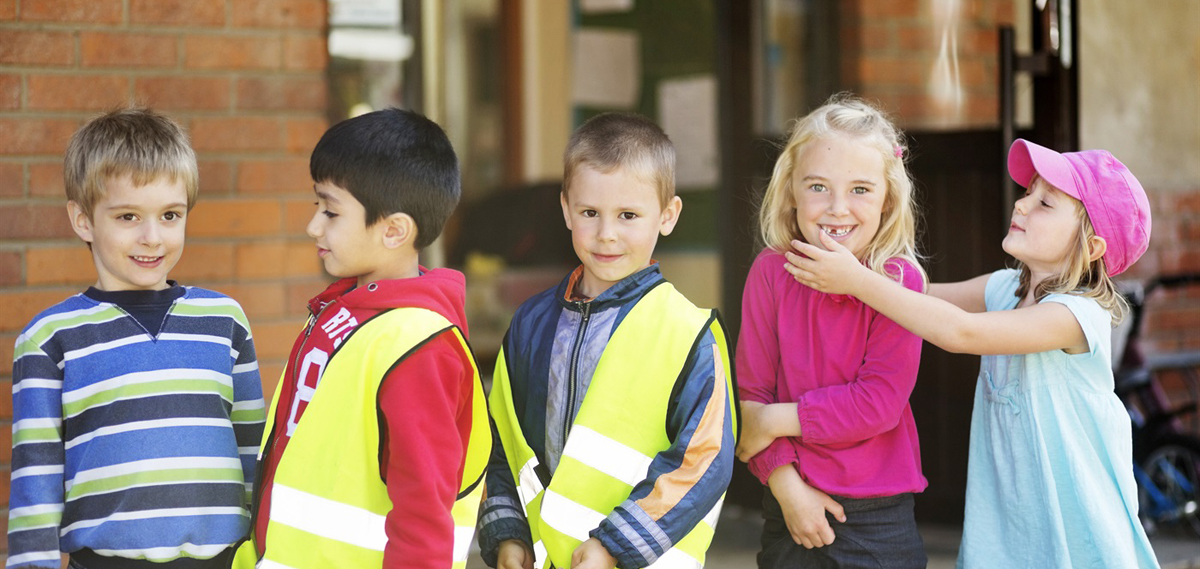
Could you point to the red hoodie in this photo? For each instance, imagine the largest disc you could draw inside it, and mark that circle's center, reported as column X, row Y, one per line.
column 426, row 406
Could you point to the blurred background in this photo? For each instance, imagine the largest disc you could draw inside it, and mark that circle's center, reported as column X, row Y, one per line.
column 256, row 82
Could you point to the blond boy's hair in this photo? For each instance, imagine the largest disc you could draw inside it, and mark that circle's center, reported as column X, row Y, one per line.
column 627, row 141
column 1079, row 275
column 848, row 116
column 135, row 142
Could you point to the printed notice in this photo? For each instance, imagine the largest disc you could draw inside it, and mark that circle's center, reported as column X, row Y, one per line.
column 607, row 70
column 687, row 110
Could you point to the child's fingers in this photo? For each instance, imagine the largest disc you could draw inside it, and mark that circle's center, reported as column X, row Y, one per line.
column 833, row 507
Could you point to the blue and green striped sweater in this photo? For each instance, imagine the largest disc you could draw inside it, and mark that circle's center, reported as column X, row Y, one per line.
column 130, row 445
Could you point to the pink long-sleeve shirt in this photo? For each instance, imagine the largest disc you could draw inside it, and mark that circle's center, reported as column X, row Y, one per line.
column 850, row 370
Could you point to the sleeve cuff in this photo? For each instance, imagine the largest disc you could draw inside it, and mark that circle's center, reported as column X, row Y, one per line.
column 616, row 533
column 499, row 521
column 777, row 454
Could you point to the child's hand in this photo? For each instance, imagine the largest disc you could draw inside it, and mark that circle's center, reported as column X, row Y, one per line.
column 804, row 508
column 592, row 555
column 514, row 554
column 832, row 270
column 755, row 434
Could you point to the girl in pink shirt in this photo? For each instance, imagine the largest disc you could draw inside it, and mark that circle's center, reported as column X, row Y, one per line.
column 824, row 379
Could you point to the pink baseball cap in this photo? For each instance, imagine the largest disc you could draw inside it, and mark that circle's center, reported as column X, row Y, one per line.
column 1115, row 202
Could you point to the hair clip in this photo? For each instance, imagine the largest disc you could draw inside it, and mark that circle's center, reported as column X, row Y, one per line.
column 899, row 150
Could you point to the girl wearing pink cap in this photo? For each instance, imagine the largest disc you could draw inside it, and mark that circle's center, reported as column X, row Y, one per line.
column 1050, row 476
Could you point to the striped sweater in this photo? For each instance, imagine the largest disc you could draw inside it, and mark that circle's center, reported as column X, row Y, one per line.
column 130, row 445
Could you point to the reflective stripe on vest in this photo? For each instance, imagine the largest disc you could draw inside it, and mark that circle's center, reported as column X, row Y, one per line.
column 614, row 438
column 331, row 513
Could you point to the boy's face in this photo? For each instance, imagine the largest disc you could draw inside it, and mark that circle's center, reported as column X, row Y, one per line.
column 345, row 244
column 136, row 233
column 615, row 220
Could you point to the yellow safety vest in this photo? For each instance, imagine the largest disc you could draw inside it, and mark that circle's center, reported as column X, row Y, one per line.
column 328, row 503
column 618, row 431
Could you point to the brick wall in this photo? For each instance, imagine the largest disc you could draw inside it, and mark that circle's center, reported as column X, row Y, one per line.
column 892, row 54
column 245, row 77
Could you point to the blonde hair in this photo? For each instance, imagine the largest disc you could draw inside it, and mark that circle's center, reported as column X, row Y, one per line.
column 1079, row 276
column 846, row 115
column 610, row 141
column 135, row 142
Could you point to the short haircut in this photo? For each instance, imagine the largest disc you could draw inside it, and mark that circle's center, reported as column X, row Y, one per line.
column 392, row 161
column 135, row 142
column 610, row 141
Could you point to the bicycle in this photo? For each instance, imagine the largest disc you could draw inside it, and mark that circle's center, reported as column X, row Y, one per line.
column 1166, row 456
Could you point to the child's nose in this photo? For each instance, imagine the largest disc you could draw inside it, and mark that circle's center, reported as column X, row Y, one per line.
column 151, row 233
column 313, row 228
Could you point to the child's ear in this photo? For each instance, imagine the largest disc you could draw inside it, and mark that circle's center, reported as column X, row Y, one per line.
column 80, row 222
column 566, row 207
column 1097, row 246
column 398, row 229
column 670, row 216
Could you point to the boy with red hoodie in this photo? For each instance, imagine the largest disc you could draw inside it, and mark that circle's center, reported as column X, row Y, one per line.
column 378, row 434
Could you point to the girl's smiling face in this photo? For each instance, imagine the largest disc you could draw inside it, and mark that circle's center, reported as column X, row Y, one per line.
column 1044, row 228
column 839, row 187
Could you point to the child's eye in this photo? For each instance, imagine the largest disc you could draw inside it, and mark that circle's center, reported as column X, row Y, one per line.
column 172, row 216
column 588, row 213
column 817, row 188
column 329, row 214
column 1044, row 204
column 860, row 190
column 628, row 215
column 127, row 217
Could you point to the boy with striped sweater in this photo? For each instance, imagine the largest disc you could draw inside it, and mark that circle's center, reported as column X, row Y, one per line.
column 137, row 404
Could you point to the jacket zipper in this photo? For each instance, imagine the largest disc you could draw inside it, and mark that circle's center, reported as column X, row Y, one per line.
column 572, row 376
column 270, row 446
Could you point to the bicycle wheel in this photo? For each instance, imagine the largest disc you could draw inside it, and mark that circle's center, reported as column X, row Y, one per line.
column 1172, row 468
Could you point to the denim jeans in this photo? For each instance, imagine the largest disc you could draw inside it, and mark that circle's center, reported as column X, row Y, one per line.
column 879, row 533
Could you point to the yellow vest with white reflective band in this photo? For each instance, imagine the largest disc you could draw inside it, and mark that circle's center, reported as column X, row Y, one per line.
column 618, row 431
column 328, row 503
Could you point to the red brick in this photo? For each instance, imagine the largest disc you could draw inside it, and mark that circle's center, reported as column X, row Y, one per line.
column 273, row 341
column 183, row 93
column 28, row 221
column 10, row 270
column 6, row 402
column 887, row 9
column 876, row 71
column 178, row 12
column 235, row 219
column 877, row 37
column 980, row 41
column 7, row 344
column 59, row 265
column 46, row 179
column 85, row 11
column 282, row 93
column 261, row 301
column 37, row 48
column 297, row 214
column 204, row 261
column 8, row 10
column 917, row 38
column 216, row 177
column 305, row 53
column 21, row 306
column 103, row 49
column 274, row 259
column 278, row 13
column 221, row 52
column 6, row 441
column 236, row 134
column 10, row 92
column 299, row 292
column 269, row 372
column 35, row 136
column 303, row 134
column 76, row 92
column 12, row 179
column 274, row 176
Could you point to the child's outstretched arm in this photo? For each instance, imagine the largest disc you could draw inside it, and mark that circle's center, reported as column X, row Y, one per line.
column 1037, row 328
column 685, row 481
column 505, row 540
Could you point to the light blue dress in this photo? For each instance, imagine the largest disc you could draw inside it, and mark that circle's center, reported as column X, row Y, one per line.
column 1050, row 476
